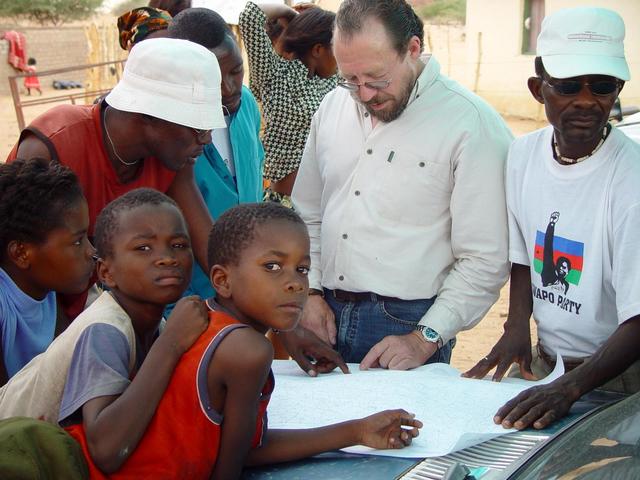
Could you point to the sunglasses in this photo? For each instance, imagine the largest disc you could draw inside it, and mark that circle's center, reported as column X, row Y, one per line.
column 354, row 87
column 573, row 87
column 201, row 135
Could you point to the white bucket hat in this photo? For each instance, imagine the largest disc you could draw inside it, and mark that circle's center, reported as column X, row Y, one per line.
column 174, row 80
column 583, row 41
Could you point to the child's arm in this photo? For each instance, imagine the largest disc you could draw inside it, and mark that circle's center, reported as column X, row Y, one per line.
column 382, row 430
column 244, row 376
column 4, row 376
column 241, row 367
column 115, row 424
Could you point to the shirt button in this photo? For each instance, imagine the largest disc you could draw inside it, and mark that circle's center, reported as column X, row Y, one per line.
column 366, row 114
column 341, row 277
column 421, row 164
column 357, row 192
column 345, row 236
column 369, row 151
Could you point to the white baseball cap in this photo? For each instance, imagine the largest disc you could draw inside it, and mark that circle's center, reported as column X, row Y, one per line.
column 583, row 41
column 174, row 80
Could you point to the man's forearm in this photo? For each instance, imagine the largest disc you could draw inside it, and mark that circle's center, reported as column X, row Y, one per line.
column 520, row 299
column 610, row 360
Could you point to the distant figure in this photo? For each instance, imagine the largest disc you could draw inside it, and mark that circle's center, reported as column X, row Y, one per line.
column 174, row 7
column 32, row 80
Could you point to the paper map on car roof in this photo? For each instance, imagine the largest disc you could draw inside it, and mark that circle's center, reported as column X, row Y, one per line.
column 457, row 412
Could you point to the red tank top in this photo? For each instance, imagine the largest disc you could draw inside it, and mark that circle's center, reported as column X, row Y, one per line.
column 73, row 136
column 183, row 437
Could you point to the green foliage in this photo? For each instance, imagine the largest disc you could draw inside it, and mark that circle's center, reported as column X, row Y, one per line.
column 127, row 5
column 440, row 11
column 48, row 11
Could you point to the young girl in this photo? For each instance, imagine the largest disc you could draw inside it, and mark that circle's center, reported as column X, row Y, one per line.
column 43, row 249
column 32, row 80
column 211, row 417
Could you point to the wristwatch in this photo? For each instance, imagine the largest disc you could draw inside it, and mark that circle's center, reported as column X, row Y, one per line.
column 430, row 335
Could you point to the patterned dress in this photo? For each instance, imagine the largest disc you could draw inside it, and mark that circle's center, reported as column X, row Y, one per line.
column 288, row 96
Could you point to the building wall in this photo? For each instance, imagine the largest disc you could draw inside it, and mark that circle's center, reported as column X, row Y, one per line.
column 52, row 47
column 504, row 70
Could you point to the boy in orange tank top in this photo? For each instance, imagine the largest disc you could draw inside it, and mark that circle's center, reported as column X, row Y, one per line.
column 259, row 261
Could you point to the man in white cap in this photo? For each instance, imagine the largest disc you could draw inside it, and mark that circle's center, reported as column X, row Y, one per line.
column 574, row 220
column 148, row 132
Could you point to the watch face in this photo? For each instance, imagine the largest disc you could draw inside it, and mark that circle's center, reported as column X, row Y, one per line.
column 430, row 334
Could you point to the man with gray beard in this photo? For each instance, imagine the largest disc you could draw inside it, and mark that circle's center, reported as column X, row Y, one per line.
column 402, row 188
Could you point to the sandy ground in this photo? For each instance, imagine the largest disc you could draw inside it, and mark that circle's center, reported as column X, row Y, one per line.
column 472, row 345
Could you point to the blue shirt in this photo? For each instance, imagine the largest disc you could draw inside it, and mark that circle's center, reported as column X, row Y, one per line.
column 218, row 188
column 26, row 325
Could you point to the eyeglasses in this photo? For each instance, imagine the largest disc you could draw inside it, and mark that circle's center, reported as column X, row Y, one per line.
column 573, row 87
column 354, row 87
column 201, row 135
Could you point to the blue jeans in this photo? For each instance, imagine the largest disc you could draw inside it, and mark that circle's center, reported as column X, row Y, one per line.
column 360, row 325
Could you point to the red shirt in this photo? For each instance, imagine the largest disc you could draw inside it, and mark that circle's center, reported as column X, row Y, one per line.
column 73, row 135
column 183, row 437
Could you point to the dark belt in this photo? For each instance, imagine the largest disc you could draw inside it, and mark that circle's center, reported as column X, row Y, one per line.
column 344, row 296
column 569, row 363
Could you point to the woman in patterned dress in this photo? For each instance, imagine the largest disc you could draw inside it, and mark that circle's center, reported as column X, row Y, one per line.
column 289, row 89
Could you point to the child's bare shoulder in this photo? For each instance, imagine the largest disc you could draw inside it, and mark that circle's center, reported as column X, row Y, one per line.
column 245, row 349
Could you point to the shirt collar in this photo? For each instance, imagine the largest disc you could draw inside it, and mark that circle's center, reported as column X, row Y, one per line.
column 427, row 78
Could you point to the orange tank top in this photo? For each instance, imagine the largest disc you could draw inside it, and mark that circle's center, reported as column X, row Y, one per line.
column 183, row 437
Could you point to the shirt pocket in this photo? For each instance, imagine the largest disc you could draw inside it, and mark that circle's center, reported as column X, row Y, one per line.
column 413, row 189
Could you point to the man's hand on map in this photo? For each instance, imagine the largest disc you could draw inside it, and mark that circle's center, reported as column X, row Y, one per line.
column 312, row 354
column 319, row 318
column 389, row 429
column 538, row 406
column 399, row 352
column 513, row 347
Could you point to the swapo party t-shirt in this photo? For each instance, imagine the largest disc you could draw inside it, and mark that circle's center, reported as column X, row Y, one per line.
column 577, row 227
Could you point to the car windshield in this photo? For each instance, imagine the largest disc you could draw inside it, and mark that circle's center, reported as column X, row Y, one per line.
column 605, row 445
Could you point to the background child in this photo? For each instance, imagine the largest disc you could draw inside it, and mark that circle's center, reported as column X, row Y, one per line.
column 43, row 249
column 187, row 438
column 32, row 80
